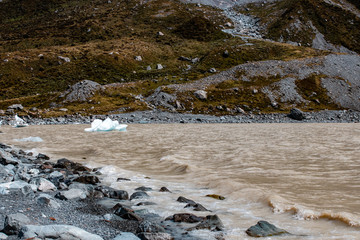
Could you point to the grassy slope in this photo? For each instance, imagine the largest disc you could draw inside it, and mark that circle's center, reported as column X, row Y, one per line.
column 87, row 32
column 289, row 20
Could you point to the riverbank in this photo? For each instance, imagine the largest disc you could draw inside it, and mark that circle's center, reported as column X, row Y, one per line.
column 326, row 116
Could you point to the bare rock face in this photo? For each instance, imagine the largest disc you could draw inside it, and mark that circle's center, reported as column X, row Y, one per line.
column 81, row 91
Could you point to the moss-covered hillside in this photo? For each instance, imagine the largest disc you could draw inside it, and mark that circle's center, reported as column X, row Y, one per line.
column 45, row 46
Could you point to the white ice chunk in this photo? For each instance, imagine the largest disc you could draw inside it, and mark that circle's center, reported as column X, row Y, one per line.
column 107, row 125
column 30, row 139
column 19, row 122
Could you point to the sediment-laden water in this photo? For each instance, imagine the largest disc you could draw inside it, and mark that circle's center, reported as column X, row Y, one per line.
column 301, row 177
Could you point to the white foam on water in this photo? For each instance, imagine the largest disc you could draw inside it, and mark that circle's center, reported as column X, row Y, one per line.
column 30, row 139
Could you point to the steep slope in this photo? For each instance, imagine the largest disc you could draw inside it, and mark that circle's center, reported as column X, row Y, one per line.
column 332, row 24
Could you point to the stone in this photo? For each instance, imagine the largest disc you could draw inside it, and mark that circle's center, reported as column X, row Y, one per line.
column 71, row 194
column 65, row 232
column 138, row 58
column 122, row 179
column 3, row 235
column 195, row 60
column 160, row 34
column 185, row 200
column 211, row 222
column 144, row 189
column 212, row 70
column 4, row 191
column 119, row 194
column 215, row 196
column 14, row 222
column 17, row 107
column 185, row 217
column 27, row 191
column 296, row 114
column 127, row 213
column 109, row 203
column 147, row 226
column 16, row 185
column 126, row 236
column 137, row 195
column 164, row 189
column 264, row 229
column 47, row 200
column 201, row 94
column 155, row 236
column 43, row 184
column 81, row 91
column 148, row 68
column 87, row 179
column 226, row 54
column 146, row 204
column 42, row 157
column 65, row 59
column 6, row 158
column 197, row 207
column 182, row 58
column 159, row 66
column 6, row 175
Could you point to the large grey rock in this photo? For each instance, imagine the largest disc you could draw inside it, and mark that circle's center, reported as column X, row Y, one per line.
column 211, row 222
column 63, row 232
column 72, row 194
column 6, row 175
column 47, row 200
column 140, row 194
column 81, row 91
column 147, row 226
column 14, row 222
column 264, row 229
column 155, row 236
column 162, row 99
column 16, row 185
column 43, row 184
column 201, row 94
column 296, row 114
column 3, row 236
column 6, row 158
column 126, row 236
column 16, row 107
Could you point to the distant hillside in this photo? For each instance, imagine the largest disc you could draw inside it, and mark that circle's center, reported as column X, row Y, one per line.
column 135, row 49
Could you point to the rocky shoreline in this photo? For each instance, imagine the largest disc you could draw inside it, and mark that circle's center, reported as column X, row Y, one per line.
column 157, row 116
column 45, row 199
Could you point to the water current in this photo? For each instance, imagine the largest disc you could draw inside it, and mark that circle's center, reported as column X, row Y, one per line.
column 301, row 177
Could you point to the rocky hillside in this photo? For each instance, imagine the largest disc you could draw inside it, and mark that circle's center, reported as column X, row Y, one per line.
column 141, row 55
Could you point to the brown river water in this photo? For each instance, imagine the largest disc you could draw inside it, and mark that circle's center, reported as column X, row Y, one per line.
column 304, row 178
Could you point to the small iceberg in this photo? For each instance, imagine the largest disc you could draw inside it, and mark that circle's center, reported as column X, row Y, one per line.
column 19, row 122
column 30, row 139
column 104, row 126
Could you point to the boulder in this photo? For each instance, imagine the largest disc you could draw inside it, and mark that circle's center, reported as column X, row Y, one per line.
column 81, row 91
column 119, row 194
column 6, row 175
column 185, row 217
column 147, row 226
column 6, row 158
column 162, row 99
column 71, row 194
column 17, row 107
column 144, row 189
column 43, row 184
column 159, row 66
column 137, row 195
column 14, row 222
column 197, row 207
column 56, row 232
column 185, row 200
column 127, row 213
column 47, row 200
column 264, row 229
column 155, row 236
column 16, row 185
column 87, row 179
column 164, row 189
column 296, row 114
column 211, row 222
column 201, row 94
column 126, row 236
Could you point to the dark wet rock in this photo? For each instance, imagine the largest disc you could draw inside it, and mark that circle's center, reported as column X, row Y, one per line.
column 264, row 229
column 14, row 222
column 137, row 195
column 185, row 200
column 215, row 196
column 56, row 232
column 71, row 166
column 185, row 217
column 127, row 213
column 164, row 189
column 197, row 207
column 296, row 114
column 182, row 58
column 145, row 204
column 211, row 222
column 87, row 179
column 119, row 194
column 148, row 226
column 122, row 179
column 81, row 91
column 144, row 189
column 155, row 236
column 6, row 158
column 42, row 156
